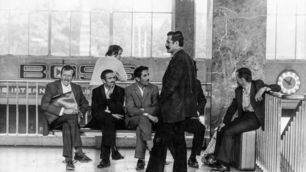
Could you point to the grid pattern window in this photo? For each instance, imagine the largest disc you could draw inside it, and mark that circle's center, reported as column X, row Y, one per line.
column 84, row 27
column 203, row 28
column 286, row 30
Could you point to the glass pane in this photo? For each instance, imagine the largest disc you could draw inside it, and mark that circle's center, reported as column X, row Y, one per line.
column 19, row 4
column 4, row 43
column 285, row 45
column 162, row 6
column 66, row 5
column 142, row 35
column 38, row 4
column 99, row 33
column 200, row 29
column 18, row 33
column 38, row 33
column 122, row 32
column 123, row 5
column 106, row 5
column 80, row 28
column 4, row 5
column 301, row 38
column 161, row 26
column 142, row 5
column 271, row 29
column 60, row 33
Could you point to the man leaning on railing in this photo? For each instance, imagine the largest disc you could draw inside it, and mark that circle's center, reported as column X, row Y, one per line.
column 249, row 102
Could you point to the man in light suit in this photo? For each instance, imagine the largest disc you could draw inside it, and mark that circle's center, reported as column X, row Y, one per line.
column 107, row 115
column 250, row 105
column 142, row 110
column 66, row 118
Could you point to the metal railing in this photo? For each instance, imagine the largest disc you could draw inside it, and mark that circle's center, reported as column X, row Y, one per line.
column 275, row 151
column 20, row 112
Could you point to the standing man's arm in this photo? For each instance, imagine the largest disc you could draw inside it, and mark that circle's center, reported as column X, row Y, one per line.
column 201, row 100
column 176, row 71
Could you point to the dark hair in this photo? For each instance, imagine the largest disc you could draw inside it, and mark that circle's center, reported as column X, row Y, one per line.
column 105, row 72
column 113, row 50
column 177, row 36
column 245, row 73
column 68, row 67
column 138, row 71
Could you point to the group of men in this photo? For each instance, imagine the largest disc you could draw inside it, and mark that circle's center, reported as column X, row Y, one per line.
column 140, row 107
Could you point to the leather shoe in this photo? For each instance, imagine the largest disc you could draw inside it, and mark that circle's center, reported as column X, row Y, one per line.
column 140, row 164
column 104, row 163
column 192, row 162
column 69, row 165
column 81, row 157
column 222, row 168
column 116, row 155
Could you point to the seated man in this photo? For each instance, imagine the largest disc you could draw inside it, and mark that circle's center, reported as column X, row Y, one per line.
column 107, row 115
column 250, row 104
column 66, row 118
column 142, row 108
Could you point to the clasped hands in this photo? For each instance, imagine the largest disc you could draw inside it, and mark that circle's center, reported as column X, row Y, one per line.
column 151, row 117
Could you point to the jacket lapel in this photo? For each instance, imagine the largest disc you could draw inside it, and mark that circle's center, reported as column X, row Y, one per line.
column 138, row 93
column 102, row 90
column 59, row 87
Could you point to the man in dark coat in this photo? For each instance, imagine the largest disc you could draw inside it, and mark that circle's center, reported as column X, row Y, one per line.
column 177, row 101
column 66, row 118
column 250, row 104
column 107, row 115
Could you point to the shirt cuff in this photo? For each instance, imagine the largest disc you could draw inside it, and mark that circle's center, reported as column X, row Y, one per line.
column 62, row 111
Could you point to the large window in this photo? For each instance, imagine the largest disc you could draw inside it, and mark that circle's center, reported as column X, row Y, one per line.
column 286, row 29
column 84, row 27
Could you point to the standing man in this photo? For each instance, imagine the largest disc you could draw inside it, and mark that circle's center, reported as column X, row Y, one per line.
column 107, row 115
column 142, row 109
column 250, row 104
column 177, row 100
column 66, row 118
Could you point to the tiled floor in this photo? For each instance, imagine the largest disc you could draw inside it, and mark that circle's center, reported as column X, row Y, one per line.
column 49, row 159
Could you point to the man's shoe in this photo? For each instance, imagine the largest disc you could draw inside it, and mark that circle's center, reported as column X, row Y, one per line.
column 192, row 162
column 116, row 155
column 104, row 164
column 222, row 168
column 81, row 157
column 69, row 165
column 140, row 164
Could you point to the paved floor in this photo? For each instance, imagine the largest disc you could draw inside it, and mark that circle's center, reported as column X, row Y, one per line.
column 49, row 159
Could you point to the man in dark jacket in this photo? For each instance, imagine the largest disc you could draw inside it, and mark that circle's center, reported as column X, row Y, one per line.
column 107, row 114
column 177, row 101
column 250, row 104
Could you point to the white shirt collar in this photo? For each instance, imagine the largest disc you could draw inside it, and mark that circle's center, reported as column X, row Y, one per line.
column 65, row 88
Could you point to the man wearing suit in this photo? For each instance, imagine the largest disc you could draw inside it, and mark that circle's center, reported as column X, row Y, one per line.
column 107, row 114
column 66, row 118
column 142, row 108
column 250, row 104
column 177, row 101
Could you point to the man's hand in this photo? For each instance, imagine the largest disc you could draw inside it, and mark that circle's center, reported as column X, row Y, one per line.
column 260, row 92
column 220, row 126
column 151, row 117
column 70, row 111
column 117, row 116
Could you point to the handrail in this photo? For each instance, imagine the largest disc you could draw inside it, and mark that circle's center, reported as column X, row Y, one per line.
column 288, row 97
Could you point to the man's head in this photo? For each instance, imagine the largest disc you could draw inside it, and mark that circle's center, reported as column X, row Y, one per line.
column 114, row 50
column 243, row 76
column 142, row 75
column 175, row 41
column 67, row 74
column 108, row 77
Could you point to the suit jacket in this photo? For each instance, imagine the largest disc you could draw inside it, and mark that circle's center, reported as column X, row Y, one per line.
column 259, row 107
column 134, row 101
column 178, row 97
column 55, row 88
column 99, row 103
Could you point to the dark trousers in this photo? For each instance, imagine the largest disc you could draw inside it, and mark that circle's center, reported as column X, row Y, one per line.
column 225, row 138
column 143, row 127
column 108, row 124
column 168, row 133
column 195, row 127
column 71, row 133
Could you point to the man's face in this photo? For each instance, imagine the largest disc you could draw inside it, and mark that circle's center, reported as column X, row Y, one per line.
column 66, row 77
column 144, row 78
column 118, row 56
column 110, row 79
column 170, row 45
